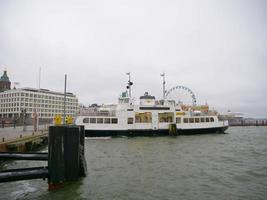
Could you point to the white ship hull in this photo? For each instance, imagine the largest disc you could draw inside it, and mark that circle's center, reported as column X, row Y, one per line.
column 150, row 119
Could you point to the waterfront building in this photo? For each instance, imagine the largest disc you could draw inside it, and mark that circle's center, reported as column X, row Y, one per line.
column 45, row 103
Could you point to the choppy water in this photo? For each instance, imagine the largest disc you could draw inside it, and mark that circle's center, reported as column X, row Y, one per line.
column 220, row 166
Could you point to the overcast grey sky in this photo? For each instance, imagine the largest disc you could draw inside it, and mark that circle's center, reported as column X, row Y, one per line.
column 217, row 48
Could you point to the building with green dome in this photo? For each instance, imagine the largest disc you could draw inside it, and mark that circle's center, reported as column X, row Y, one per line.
column 4, row 82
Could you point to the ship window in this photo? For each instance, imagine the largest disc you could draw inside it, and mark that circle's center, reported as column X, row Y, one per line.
column 197, row 120
column 191, row 120
column 92, row 120
column 212, row 119
column 143, row 117
column 185, row 120
column 114, row 120
column 99, row 120
column 178, row 120
column 107, row 120
column 86, row 120
column 202, row 119
column 130, row 120
column 165, row 117
column 207, row 119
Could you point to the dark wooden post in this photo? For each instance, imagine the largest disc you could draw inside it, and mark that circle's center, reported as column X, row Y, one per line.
column 72, row 152
column 56, row 164
column 83, row 165
column 82, row 136
column 172, row 130
column 66, row 160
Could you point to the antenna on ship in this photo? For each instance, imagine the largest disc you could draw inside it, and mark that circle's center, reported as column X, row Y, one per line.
column 163, row 84
column 129, row 84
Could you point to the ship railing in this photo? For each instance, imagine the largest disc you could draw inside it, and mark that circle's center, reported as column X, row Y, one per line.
column 209, row 113
column 107, row 114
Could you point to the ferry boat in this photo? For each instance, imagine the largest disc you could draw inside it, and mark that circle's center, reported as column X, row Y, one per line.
column 150, row 117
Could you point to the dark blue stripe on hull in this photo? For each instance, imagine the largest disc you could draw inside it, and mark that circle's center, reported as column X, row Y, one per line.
column 161, row 132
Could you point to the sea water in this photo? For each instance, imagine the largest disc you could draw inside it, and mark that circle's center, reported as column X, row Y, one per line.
column 212, row 166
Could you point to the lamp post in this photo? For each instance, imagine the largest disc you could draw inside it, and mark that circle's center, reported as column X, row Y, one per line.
column 64, row 106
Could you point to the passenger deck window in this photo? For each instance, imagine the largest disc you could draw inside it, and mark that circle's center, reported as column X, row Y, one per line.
column 197, row 120
column 107, row 120
column 191, row 120
column 165, row 117
column 178, row 120
column 92, row 120
column 130, row 120
column 212, row 119
column 143, row 117
column 185, row 120
column 207, row 119
column 99, row 120
column 202, row 119
column 114, row 120
column 86, row 120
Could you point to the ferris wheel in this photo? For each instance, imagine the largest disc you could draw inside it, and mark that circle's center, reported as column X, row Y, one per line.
column 182, row 94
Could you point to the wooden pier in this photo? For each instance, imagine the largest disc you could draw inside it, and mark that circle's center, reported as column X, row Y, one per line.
column 24, row 143
column 66, row 161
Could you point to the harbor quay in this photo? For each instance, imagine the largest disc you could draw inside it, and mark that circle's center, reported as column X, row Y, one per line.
column 22, row 138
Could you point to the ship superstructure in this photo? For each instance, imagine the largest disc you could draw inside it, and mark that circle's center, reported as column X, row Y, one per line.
column 150, row 117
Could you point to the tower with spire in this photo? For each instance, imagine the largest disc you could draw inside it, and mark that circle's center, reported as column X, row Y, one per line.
column 4, row 82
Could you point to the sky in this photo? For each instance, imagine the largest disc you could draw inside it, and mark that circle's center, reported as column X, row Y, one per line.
column 217, row 48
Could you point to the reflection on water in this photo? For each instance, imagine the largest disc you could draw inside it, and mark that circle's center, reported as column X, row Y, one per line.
column 219, row 166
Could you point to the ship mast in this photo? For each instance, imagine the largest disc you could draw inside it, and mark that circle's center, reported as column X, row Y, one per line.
column 129, row 84
column 163, row 85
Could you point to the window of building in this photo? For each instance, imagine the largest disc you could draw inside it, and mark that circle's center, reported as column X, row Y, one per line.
column 107, row 120
column 114, row 120
column 99, row 120
column 178, row 120
column 185, row 120
column 191, row 120
column 130, row 120
column 143, row 117
column 197, row 120
column 92, row 120
column 86, row 120
column 165, row 117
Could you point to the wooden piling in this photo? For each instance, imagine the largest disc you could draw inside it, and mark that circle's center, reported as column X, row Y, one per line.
column 71, row 153
column 56, row 164
column 83, row 165
column 66, row 160
column 172, row 130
